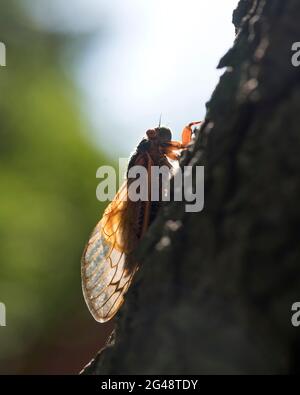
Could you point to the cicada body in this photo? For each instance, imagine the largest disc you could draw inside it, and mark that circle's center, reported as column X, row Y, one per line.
column 108, row 264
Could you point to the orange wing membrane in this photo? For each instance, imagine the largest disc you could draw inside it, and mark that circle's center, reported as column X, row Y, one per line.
column 105, row 278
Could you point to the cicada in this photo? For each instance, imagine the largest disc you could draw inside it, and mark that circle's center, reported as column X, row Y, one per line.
column 108, row 264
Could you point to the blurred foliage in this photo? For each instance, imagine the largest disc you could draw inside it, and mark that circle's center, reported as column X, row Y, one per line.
column 47, row 177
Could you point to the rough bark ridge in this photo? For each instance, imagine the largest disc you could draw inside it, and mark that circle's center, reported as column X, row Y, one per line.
column 218, row 298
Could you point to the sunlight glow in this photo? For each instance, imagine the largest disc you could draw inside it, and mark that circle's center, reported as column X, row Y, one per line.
column 143, row 58
column 160, row 56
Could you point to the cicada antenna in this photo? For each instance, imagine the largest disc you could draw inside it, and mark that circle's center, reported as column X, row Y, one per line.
column 159, row 124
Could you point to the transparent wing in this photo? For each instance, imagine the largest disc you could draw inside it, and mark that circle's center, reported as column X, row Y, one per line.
column 105, row 278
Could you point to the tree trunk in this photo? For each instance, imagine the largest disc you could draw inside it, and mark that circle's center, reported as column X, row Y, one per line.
column 217, row 298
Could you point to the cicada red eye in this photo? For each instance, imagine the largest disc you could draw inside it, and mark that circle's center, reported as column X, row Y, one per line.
column 151, row 133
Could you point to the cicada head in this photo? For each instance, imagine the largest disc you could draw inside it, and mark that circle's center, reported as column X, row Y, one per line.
column 159, row 135
column 164, row 134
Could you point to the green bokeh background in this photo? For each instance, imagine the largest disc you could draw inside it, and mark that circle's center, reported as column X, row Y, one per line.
column 47, row 202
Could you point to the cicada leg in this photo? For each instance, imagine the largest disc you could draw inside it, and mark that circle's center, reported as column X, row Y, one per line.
column 187, row 133
column 185, row 141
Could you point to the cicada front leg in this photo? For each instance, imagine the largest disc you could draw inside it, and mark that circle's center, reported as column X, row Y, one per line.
column 179, row 145
column 187, row 133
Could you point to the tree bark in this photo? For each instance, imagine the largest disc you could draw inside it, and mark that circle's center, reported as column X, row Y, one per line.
column 218, row 297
